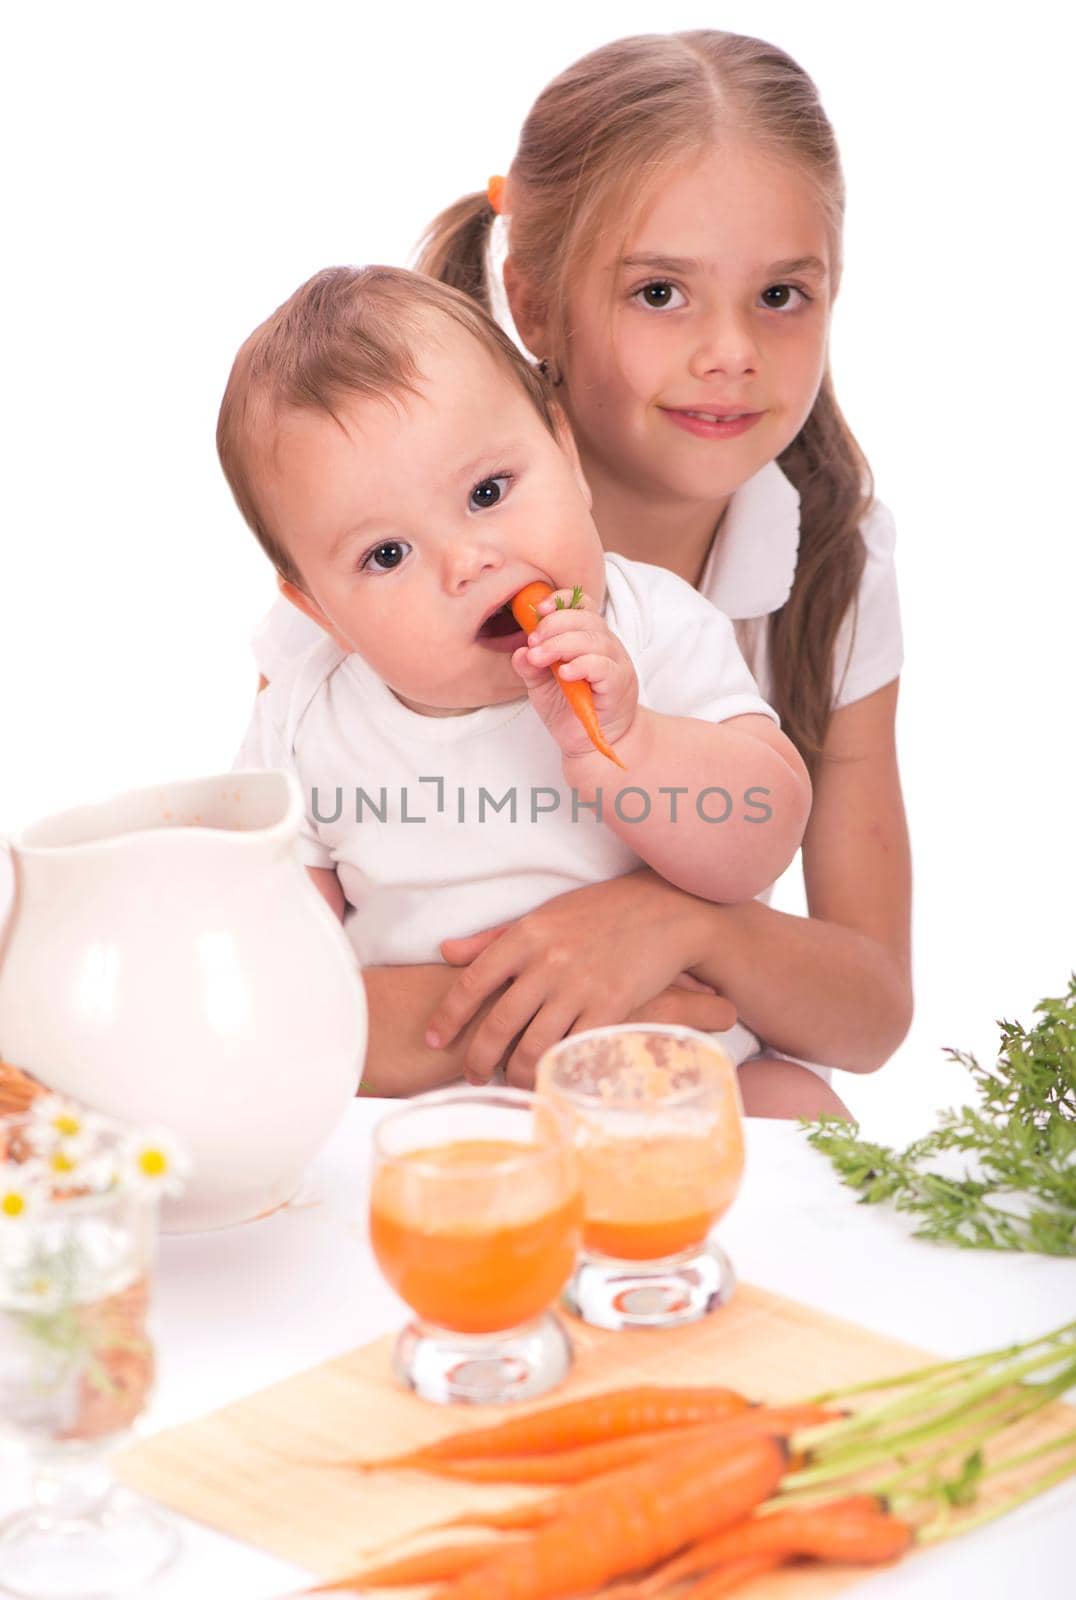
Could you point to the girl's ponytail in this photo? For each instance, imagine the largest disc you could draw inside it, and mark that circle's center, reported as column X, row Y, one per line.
column 453, row 249
column 836, row 490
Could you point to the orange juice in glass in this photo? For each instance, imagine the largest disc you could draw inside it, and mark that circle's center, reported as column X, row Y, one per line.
column 475, row 1221
column 658, row 1127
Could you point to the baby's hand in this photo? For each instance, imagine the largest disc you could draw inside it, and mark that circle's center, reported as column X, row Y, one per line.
column 578, row 643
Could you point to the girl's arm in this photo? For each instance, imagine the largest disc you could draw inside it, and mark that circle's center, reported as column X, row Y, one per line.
column 835, row 986
column 399, row 1000
column 718, row 809
column 832, row 987
column 398, row 1060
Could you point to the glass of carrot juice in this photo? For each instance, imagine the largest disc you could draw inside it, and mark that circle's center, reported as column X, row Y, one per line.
column 475, row 1221
column 657, row 1123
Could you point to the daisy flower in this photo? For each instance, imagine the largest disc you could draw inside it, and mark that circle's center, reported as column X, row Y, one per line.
column 67, row 1164
column 21, row 1194
column 53, row 1120
column 154, row 1162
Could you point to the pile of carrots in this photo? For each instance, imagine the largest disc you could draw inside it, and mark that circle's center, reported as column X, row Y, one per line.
column 667, row 1487
column 667, row 1484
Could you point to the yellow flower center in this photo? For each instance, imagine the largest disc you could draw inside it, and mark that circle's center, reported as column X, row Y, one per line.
column 154, row 1163
column 59, row 1162
column 12, row 1204
column 67, row 1125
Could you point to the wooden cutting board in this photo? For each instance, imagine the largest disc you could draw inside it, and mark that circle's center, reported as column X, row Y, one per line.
column 252, row 1469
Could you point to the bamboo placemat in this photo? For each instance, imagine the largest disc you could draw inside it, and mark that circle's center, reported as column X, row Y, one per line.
column 257, row 1469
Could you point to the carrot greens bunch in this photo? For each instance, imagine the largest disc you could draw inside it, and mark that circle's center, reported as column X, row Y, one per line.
column 1020, row 1141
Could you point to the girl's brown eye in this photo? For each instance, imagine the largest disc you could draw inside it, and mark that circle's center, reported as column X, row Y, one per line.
column 785, row 291
column 660, row 296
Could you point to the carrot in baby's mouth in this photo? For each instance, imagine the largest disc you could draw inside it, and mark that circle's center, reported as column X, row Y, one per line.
column 576, row 691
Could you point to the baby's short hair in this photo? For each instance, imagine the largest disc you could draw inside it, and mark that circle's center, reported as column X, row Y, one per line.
column 346, row 332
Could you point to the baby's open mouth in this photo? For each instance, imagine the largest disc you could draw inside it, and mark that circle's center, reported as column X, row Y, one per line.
column 501, row 631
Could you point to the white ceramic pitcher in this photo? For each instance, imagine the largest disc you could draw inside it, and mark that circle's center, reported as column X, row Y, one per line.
column 168, row 961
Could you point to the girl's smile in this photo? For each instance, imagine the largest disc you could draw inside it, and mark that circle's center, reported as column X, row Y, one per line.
column 712, row 424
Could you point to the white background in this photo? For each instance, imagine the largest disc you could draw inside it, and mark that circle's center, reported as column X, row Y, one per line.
column 175, row 171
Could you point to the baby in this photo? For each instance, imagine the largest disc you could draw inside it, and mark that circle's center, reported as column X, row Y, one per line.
column 405, row 470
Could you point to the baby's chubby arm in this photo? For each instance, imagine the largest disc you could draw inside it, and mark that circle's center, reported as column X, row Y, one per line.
column 738, row 791
column 718, row 808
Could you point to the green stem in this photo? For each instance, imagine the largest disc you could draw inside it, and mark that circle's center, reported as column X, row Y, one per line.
column 997, row 1467
column 868, row 1421
column 903, row 1379
column 934, row 1533
column 859, row 1456
column 968, row 1387
column 935, row 1368
column 924, row 1466
column 850, row 1441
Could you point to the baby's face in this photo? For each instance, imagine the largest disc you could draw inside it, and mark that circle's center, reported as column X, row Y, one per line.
column 414, row 522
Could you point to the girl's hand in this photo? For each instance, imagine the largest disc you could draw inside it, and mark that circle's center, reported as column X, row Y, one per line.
column 579, row 643
column 603, row 954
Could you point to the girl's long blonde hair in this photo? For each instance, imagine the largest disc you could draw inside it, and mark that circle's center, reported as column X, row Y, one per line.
column 597, row 141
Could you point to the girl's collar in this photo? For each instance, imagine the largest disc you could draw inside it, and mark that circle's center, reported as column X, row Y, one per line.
column 752, row 561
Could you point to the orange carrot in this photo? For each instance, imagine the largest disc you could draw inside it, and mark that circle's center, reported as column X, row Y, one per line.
column 612, row 1414
column 591, row 1460
column 425, row 1566
column 628, row 1520
column 734, row 1574
column 566, row 1466
column 531, row 1514
column 576, row 691
column 853, row 1529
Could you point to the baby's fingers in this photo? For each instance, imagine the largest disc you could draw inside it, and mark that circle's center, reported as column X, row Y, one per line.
column 532, row 676
column 558, row 623
column 549, row 606
column 597, row 670
column 565, row 647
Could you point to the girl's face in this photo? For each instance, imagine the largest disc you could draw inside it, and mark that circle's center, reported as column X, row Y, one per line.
column 718, row 306
column 414, row 523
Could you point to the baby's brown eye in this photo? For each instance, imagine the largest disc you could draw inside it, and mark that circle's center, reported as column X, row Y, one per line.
column 488, row 492
column 658, row 294
column 386, row 557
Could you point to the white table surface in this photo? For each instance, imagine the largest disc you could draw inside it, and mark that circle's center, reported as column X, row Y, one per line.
column 242, row 1308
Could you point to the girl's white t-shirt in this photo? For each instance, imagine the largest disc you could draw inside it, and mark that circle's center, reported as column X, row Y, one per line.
column 439, row 827
column 748, row 574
